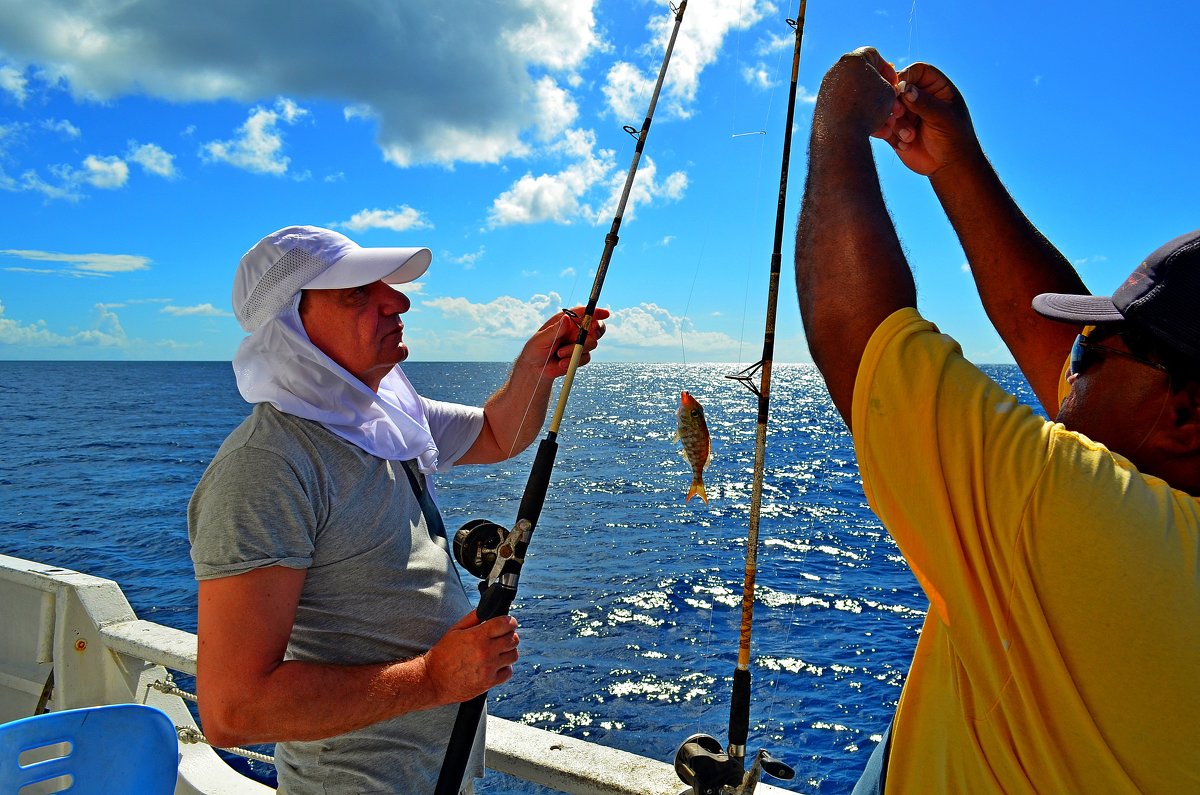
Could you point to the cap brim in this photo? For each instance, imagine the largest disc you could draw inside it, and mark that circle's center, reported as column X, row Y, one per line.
column 1088, row 310
column 366, row 265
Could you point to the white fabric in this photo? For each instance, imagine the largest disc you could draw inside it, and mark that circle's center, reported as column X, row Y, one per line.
column 278, row 364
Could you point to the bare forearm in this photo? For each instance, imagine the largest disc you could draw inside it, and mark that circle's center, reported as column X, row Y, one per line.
column 513, row 416
column 310, row 701
column 517, row 411
column 1011, row 262
column 850, row 270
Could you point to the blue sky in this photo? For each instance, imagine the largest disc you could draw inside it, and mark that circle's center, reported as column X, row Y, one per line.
column 144, row 146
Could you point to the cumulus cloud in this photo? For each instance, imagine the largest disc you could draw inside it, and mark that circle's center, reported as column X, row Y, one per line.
column 153, row 158
column 628, row 87
column 62, row 126
column 651, row 326
column 479, row 63
column 200, row 310
column 401, row 219
column 505, row 317
column 632, row 333
column 468, row 261
column 106, row 332
column 13, row 83
column 577, row 191
column 258, row 146
column 90, row 264
column 758, row 75
column 108, row 173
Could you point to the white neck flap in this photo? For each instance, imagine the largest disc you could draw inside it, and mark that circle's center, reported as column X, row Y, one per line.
column 278, row 364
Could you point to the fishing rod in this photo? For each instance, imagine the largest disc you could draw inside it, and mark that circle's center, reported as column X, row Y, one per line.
column 484, row 548
column 700, row 761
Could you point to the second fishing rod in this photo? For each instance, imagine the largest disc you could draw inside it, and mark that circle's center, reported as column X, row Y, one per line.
column 700, row 760
column 485, row 548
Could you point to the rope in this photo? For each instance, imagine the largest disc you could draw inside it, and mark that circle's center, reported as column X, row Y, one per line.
column 191, row 735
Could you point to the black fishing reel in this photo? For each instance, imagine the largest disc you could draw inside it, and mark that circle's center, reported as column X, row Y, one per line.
column 476, row 546
column 702, row 764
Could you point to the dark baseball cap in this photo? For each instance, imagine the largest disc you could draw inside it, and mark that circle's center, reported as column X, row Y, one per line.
column 1161, row 297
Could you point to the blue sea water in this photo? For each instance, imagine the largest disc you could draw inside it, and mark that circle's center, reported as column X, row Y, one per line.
column 630, row 598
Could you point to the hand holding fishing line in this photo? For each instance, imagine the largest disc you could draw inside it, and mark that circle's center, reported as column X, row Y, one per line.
column 554, row 343
column 931, row 126
column 860, row 90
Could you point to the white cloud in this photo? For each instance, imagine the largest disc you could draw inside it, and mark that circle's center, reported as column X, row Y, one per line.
column 556, row 197
column 106, row 332
column 399, row 220
column 200, row 310
column 505, row 317
column 698, row 44
column 63, row 126
column 652, row 326
column 647, row 189
column 13, row 82
column 493, row 329
column 479, row 64
column 98, row 264
column 557, row 35
column 259, row 145
column 556, row 110
column 566, row 196
column 467, row 260
column 566, row 273
column 757, row 76
column 627, row 91
column 109, row 172
column 776, row 42
column 153, row 158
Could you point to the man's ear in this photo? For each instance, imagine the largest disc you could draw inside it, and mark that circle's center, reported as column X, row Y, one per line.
column 1185, row 407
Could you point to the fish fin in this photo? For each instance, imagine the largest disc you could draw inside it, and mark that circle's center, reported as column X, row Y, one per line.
column 697, row 489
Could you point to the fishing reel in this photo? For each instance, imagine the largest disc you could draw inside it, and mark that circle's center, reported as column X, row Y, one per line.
column 477, row 544
column 702, row 764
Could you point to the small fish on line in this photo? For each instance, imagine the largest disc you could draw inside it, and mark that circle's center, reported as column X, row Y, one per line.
column 697, row 449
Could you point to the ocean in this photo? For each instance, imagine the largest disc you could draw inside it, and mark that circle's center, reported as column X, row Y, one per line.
column 630, row 598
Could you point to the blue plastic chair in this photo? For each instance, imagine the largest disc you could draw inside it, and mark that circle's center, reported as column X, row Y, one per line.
column 120, row 748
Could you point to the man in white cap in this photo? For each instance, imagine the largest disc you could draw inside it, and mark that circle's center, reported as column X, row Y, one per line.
column 331, row 617
column 1060, row 558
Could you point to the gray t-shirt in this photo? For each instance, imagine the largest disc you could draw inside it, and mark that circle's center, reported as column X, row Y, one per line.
column 380, row 583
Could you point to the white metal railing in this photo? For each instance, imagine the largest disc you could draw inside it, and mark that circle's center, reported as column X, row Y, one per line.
column 83, row 630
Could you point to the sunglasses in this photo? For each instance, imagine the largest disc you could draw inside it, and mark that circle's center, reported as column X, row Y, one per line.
column 1085, row 354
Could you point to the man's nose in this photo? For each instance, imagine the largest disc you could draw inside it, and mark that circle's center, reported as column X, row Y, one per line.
column 392, row 301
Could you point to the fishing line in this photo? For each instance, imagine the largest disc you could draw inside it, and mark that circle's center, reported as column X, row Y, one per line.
column 912, row 16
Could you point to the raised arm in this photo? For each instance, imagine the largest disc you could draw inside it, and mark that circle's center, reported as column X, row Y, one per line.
column 1010, row 259
column 514, row 415
column 850, row 270
column 249, row 694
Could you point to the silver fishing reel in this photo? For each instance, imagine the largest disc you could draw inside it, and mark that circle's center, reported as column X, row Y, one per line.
column 702, row 764
column 476, row 546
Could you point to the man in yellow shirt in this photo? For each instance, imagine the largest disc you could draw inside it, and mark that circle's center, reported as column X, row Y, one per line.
column 1061, row 559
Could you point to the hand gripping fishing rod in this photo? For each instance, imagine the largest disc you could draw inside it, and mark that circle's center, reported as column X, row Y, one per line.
column 481, row 544
column 699, row 761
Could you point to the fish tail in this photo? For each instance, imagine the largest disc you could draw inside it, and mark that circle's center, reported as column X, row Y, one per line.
column 697, row 489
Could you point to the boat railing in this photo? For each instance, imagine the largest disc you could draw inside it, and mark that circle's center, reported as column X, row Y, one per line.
column 69, row 640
